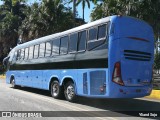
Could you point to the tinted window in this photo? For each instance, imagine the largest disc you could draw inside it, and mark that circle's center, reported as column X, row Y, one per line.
column 48, row 49
column 93, row 33
column 15, row 56
column 55, row 46
column 97, row 43
column 82, row 41
column 94, row 44
column 22, row 54
column 26, row 53
column 102, row 31
column 73, row 42
column 36, row 50
column 18, row 55
column 42, row 50
column 64, row 45
column 31, row 52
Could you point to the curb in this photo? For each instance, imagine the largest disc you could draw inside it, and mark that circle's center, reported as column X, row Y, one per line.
column 155, row 94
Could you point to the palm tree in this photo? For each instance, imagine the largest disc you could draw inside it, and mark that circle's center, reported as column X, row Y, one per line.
column 45, row 18
column 83, row 5
column 11, row 15
column 84, row 2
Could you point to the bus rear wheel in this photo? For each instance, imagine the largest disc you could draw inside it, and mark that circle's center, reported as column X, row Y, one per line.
column 56, row 90
column 69, row 92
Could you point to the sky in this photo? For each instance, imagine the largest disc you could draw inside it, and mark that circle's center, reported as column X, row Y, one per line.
column 87, row 11
column 79, row 9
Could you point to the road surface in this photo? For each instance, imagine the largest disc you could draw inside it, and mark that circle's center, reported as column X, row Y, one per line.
column 23, row 100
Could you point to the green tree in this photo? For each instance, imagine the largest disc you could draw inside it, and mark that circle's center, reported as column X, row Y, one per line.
column 84, row 2
column 149, row 11
column 11, row 16
column 46, row 18
column 157, row 61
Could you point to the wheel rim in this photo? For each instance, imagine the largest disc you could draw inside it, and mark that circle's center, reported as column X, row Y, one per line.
column 70, row 92
column 13, row 83
column 55, row 90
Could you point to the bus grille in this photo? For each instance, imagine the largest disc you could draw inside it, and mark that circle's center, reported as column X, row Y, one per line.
column 137, row 55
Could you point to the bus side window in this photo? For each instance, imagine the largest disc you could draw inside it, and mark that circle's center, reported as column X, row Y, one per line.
column 102, row 32
column 14, row 58
column 42, row 50
column 73, row 43
column 18, row 55
column 93, row 33
column 48, row 49
column 22, row 54
column 26, row 53
column 64, row 45
column 36, row 51
column 82, row 37
column 55, row 46
column 31, row 52
column 100, row 40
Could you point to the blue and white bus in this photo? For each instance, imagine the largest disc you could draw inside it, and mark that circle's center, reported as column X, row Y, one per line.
column 108, row 58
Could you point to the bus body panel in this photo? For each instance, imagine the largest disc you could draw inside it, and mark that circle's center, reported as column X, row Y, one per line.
column 37, row 78
column 136, row 53
column 92, row 82
column 48, row 75
column 132, row 45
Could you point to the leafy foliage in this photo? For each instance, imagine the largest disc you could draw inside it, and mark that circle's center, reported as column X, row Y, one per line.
column 46, row 18
column 157, row 61
column 84, row 2
column 18, row 19
column 11, row 16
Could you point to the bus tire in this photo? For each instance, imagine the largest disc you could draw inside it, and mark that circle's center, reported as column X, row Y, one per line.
column 69, row 92
column 13, row 85
column 56, row 90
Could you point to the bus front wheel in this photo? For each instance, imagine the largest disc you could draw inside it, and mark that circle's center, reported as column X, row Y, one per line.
column 70, row 92
column 13, row 83
column 56, row 90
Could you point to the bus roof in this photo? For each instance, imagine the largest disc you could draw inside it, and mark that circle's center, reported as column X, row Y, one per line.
column 70, row 31
column 80, row 28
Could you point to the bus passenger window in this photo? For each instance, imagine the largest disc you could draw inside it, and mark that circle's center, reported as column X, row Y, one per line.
column 97, row 44
column 26, row 53
column 102, row 31
column 18, row 55
column 22, row 54
column 73, row 42
column 36, row 50
column 93, row 34
column 31, row 52
column 48, row 49
column 64, row 45
column 55, row 46
column 82, row 41
column 42, row 50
